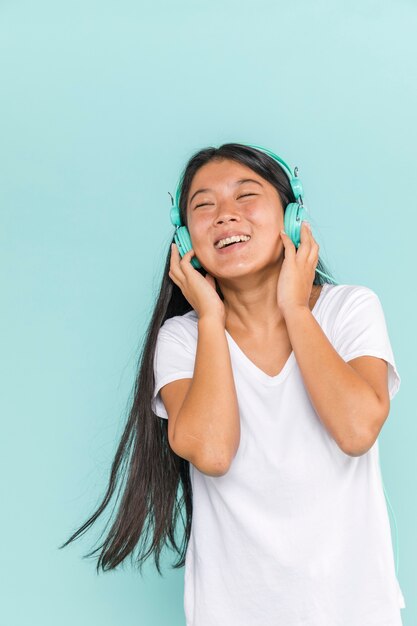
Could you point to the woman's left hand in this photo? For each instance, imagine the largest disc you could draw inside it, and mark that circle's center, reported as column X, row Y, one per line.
column 298, row 270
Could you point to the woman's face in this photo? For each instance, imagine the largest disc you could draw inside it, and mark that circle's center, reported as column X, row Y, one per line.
column 222, row 200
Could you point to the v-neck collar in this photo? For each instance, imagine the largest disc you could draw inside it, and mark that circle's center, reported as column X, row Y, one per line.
column 289, row 363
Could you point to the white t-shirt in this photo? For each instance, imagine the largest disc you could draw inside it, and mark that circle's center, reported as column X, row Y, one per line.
column 297, row 532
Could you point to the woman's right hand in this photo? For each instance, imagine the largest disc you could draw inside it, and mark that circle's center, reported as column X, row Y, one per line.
column 199, row 291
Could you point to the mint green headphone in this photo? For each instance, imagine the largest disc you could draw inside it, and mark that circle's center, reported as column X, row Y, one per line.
column 294, row 213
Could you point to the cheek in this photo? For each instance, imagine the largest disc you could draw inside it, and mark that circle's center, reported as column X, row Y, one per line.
column 267, row 224
column 200, row 221
column 198, row 230
column 265, row 215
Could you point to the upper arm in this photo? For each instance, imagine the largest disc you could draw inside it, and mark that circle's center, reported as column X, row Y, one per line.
column 173, row 396
column 375, row 371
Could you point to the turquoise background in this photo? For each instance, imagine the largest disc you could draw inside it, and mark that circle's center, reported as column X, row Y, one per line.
column 102, row 104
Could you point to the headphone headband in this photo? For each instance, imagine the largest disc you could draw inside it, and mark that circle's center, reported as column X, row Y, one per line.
column 274, row 156
column 294, row 180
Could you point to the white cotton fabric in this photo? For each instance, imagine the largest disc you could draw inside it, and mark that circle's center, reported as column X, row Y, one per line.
column 297, row 532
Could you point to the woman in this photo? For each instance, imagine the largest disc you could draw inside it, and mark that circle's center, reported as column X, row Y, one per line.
column 272, row 385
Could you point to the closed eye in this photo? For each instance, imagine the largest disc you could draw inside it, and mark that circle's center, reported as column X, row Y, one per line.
column 242, row 196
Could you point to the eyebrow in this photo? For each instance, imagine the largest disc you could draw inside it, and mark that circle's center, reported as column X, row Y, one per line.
column 238, row 182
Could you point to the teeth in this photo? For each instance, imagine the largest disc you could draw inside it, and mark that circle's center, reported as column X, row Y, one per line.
column 235, row 238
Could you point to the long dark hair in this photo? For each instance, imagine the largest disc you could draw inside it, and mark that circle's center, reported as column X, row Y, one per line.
column 148, row 472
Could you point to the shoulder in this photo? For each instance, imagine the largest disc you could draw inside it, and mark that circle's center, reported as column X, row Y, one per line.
column 347, row 295
column 181, row 326
column 187, row 320
column 347, row 305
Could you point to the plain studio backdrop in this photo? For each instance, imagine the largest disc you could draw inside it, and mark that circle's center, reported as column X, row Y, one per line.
column 102, row 103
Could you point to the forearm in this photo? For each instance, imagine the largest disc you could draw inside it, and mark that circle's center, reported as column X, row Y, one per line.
column 342, row 399
column 209, row 419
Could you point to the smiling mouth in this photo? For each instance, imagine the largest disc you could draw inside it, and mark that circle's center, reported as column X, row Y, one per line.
column 229, row 247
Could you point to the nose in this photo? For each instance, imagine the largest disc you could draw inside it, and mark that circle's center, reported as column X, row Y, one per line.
column 226, row 212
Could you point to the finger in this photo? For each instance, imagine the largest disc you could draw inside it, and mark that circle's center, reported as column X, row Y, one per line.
column 175, row 276
column 309, row 230
column 180, row 273
column 306, row 239
column 174, row 266
column 188, row 255
column 306, row 233
column 185, row 261
column 314, row 253
column 176, row 257
column 288, row 245
column 174, row 251
column 174, row 261
column 314, row 246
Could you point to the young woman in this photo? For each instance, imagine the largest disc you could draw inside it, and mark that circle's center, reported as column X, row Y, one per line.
column 261, row 392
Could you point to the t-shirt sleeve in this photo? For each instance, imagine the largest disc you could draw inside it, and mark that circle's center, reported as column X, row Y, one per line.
column 174, row 359
column 360, row 329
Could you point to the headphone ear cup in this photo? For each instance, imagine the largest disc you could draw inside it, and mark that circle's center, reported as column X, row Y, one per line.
column 175, row 215
column 183, row 240
column 294, row 214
